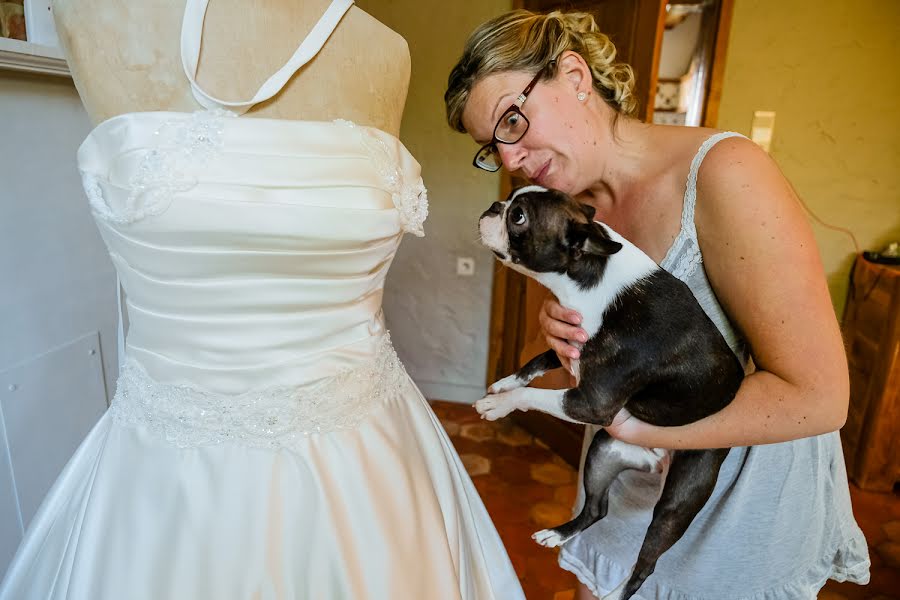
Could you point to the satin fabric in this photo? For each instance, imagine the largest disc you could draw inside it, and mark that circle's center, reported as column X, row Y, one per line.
column 277, row 252
column 262, row 265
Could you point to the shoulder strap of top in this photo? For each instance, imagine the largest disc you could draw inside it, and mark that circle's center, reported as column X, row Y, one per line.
column 690, row 192
column 191, row 39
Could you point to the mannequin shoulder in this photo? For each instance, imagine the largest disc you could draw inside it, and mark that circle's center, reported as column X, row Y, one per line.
column 123, row 55
column 380, row 61
column 81, row 18
column 382, row 42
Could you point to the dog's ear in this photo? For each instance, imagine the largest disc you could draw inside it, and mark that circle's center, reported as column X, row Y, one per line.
column 589, row 211
column 590, row 239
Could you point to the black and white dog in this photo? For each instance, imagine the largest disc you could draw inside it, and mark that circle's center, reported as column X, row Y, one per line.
column 651, row 349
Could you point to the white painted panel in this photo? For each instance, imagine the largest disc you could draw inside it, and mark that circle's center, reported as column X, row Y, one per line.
column 56, row 279
column 49, row 404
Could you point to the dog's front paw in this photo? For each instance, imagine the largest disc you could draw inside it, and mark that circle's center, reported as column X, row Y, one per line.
column 496, row 406
column 504, row 385
column 549, row 538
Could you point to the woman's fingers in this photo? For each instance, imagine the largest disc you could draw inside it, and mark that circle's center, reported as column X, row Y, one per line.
column 563, row 349
column 557, row 324
column 558, row 312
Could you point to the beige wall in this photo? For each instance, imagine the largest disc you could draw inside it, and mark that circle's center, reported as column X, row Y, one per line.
column 829, row 71
column 438, row 320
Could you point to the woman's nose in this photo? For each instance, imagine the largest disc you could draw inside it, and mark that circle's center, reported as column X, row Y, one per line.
column 512, row 156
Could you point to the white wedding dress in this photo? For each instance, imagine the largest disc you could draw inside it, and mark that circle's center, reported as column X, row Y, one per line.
column 264, row 441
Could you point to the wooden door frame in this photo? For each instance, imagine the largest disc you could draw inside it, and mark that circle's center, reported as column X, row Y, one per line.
column 717, row 74
column 508, row 288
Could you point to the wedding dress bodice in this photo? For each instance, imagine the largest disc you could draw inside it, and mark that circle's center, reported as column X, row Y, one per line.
column 252, row 253
column 248, row 248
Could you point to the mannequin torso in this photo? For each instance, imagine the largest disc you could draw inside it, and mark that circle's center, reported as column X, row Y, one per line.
column 125, row 57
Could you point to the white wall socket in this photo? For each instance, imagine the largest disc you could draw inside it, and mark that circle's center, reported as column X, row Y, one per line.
column 465, row 266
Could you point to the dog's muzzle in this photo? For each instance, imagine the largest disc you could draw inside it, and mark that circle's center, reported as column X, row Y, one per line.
column 492, row 228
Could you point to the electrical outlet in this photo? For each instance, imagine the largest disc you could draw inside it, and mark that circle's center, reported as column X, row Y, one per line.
column 465, row 266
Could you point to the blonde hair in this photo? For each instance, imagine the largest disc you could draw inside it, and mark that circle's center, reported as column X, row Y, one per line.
column 522, row 40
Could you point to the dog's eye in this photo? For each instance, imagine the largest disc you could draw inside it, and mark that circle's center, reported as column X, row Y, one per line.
column 518, row 216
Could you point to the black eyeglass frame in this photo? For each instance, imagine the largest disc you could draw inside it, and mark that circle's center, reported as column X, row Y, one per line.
column 515, row 107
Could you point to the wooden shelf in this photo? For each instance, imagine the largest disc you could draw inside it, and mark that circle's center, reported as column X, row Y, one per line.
column 16, row 55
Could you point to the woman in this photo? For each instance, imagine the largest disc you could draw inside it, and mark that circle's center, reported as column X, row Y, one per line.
column 778, row 524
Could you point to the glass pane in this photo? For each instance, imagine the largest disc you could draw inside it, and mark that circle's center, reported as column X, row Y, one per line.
column 488, row 158
column 512, row 127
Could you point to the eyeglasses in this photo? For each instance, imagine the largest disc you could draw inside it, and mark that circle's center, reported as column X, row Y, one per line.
column 511, row 127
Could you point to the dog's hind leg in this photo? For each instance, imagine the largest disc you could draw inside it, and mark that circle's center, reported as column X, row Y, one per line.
column 606, row 458
column 691, row 479
column 533, row 369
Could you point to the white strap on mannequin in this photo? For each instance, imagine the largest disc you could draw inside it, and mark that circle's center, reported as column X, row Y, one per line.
column 191, row 39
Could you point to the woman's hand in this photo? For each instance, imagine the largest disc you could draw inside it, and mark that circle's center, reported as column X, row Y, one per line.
column 560, row 328
column 624, row 426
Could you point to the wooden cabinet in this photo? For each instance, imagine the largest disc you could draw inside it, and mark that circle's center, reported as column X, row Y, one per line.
column 871, row 328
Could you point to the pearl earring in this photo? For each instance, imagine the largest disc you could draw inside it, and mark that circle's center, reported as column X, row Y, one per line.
column 581, row 96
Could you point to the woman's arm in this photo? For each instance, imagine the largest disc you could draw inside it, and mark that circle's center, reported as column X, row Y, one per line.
column 763, row 264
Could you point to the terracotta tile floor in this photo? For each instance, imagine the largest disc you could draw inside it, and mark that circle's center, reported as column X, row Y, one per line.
column 527, row 487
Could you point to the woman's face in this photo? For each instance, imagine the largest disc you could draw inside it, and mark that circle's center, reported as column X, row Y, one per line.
column 559, row 149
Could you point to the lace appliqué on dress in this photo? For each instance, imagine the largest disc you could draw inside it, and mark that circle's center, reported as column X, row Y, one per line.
column 268, row 418
column 180, row 145
column 410, row 199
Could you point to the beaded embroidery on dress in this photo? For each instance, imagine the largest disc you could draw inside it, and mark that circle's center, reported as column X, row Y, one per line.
column 164, row 170
column 264, row 440
column 411, row 199
column 267, row 418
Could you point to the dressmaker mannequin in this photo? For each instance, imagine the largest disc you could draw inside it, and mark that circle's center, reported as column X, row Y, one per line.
column 125, row 57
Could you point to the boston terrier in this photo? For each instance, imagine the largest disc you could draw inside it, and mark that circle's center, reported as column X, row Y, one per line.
column 651, row 349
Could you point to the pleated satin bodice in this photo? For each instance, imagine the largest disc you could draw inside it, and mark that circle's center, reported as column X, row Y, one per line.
column 251, row 251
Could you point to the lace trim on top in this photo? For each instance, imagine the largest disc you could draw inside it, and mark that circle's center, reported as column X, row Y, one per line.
column 686, row 247
column 276, row 417
column 184, row 144
column 410, row 198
